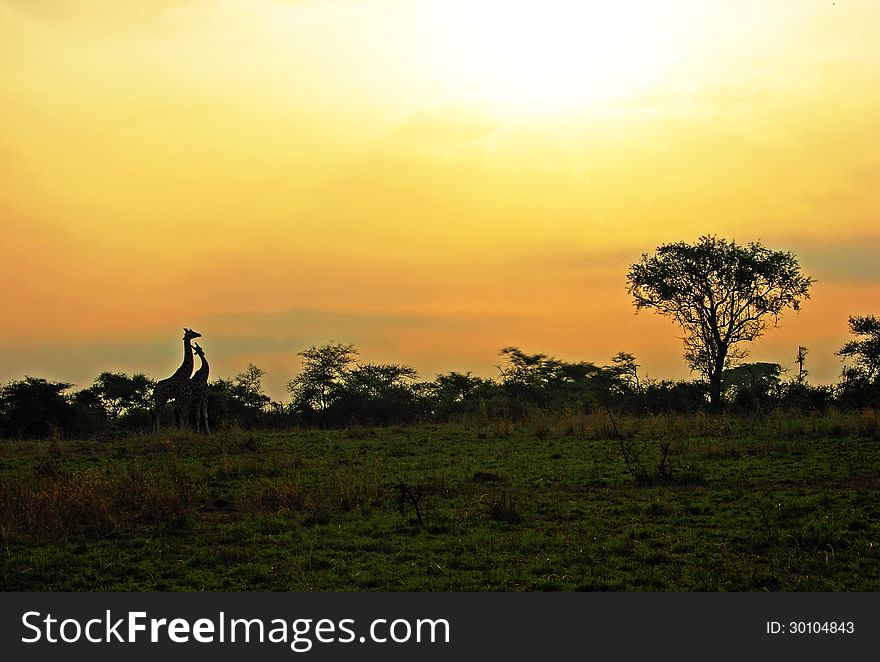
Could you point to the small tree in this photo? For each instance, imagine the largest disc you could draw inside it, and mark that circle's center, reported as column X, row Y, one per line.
column 721, row 294
column 801, row 359
column 239, row 401
column 377, row 393
column 625, row 370
column 248, row 388
column 376, row 380
column 527, row 371
column 32, row 407
column 322, row 376
column 753, row 386
column 455, row 393
column 120, row 394
column 454, row 387
column 538, row 380
column 864, row 352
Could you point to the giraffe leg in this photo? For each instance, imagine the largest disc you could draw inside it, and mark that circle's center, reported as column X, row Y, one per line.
column 157, row 415
column 205, row 414
column 182, row 422
column 160, row 399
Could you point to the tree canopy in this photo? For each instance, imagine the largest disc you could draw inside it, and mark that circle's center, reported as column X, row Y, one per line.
column 722, row 294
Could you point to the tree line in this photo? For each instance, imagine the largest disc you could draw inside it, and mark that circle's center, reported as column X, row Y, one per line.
column 334, row 389
column 722, row 294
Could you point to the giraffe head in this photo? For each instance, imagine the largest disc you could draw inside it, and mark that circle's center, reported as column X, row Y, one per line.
column 198, row 350
column 189, row 334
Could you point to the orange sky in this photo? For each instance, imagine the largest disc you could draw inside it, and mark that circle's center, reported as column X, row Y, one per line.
column 430, row 180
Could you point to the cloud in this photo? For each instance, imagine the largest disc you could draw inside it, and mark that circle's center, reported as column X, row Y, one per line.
column 849, row 260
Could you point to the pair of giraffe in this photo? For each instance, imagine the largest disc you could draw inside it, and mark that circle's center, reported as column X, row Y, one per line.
column 184, row 388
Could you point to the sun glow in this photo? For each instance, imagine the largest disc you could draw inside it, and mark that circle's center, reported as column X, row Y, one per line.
column 551, row 55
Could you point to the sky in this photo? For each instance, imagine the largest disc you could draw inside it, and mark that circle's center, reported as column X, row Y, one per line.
column 430, row 180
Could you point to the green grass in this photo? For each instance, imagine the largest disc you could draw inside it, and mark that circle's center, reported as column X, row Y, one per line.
column 757, row 504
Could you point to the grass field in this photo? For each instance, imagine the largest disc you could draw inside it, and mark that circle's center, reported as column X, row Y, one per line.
column 776, row 503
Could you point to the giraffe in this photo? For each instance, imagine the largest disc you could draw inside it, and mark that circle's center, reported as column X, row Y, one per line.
column 195, row 393
column 168, row 389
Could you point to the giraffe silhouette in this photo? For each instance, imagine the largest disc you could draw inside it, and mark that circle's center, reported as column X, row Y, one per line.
column 170, row 388
column 194, row 393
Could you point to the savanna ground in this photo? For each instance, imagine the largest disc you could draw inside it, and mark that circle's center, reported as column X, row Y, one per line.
column 779, row 502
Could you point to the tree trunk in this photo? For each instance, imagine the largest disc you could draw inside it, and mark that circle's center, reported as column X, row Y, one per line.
column 715, row 391
column 715, row 381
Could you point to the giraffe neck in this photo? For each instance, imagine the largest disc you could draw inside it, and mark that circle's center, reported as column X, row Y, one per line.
column 202, row 372
column 185, row 369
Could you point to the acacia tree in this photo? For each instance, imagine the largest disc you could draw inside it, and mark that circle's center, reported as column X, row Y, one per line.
column 376, row 393
column 865, row 352
column 625, row 370
column 119, row 394
column 721, row 294
column 322, row 376
column 248, row 388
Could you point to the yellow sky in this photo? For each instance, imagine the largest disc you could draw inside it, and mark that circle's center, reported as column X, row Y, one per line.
column 430, row 180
